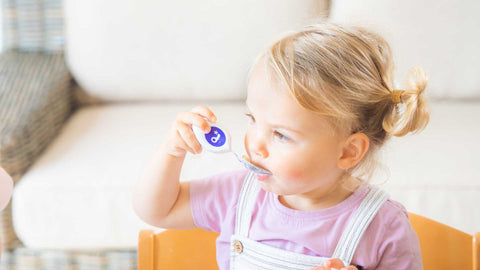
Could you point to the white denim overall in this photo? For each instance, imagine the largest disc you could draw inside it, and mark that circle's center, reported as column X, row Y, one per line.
column 247, row 254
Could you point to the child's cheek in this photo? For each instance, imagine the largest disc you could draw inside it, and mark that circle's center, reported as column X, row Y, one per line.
column 290, row 168
column 294, row 173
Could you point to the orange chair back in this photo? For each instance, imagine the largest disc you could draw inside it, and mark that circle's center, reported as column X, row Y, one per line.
column 442, row 247
column 177, row 250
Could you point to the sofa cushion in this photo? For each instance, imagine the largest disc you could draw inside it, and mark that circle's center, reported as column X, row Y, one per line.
column 78, row 194
column 435, row 173
column 164, row 50
column 437, row 35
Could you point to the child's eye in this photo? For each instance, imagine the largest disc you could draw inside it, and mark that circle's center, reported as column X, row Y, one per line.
column 251, row 118
column 281, row 137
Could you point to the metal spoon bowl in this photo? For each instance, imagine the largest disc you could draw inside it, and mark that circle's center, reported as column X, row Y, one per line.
column 250, row 166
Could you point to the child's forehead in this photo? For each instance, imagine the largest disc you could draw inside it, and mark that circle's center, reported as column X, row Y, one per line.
column 264, row 72
column 263, row 86
column 285, row 113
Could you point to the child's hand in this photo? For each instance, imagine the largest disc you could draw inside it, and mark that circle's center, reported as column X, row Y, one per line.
column 181, row 138
column 335, row 264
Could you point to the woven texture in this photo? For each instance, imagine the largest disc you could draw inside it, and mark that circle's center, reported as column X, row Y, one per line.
column 28, row 259
column 33, row 25
column 35, row 101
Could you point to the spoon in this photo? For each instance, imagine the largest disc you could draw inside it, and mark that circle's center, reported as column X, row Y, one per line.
column 218, row 141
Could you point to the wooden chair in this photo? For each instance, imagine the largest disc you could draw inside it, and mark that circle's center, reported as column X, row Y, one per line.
column 442, row 247
column 177, row 250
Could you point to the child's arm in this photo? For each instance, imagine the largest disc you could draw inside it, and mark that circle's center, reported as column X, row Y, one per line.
column 159, row 198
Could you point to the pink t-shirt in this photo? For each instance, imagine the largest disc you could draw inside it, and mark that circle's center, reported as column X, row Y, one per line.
column 389, row 243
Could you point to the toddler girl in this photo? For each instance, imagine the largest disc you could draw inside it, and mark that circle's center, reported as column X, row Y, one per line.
column 321, row 104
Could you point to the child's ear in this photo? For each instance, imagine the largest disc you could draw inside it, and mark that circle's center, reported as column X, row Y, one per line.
column 353, row 150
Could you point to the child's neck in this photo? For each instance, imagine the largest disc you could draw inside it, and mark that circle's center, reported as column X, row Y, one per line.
column 307, row 202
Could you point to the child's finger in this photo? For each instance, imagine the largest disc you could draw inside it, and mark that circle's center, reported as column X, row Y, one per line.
column 351, row 267
column 335, row 263
column 183, row 145
column 205, row 112
column 194, row 119
column 188, row 137
column 178, row 147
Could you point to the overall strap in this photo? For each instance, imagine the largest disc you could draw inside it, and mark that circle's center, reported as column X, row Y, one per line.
column 246, row 202
column 358, row 224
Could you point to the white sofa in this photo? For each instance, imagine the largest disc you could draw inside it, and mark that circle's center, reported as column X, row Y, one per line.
column 146, row 61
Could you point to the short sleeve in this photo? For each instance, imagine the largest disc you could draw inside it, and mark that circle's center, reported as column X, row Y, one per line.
column 213, row 197
column 400, row 248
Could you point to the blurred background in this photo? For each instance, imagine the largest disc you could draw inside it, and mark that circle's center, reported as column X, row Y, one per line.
column 89, row 88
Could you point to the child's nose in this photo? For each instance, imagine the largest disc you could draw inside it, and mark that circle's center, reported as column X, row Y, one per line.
column 258, row 146
column 260, row 152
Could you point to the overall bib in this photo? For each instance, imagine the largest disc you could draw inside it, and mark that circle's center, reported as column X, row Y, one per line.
column 247, row 254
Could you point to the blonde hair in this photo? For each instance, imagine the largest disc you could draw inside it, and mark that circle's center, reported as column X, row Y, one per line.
column 346, row 74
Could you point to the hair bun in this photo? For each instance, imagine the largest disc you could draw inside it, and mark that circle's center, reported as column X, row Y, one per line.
column 417, row 80
column 414, row 117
